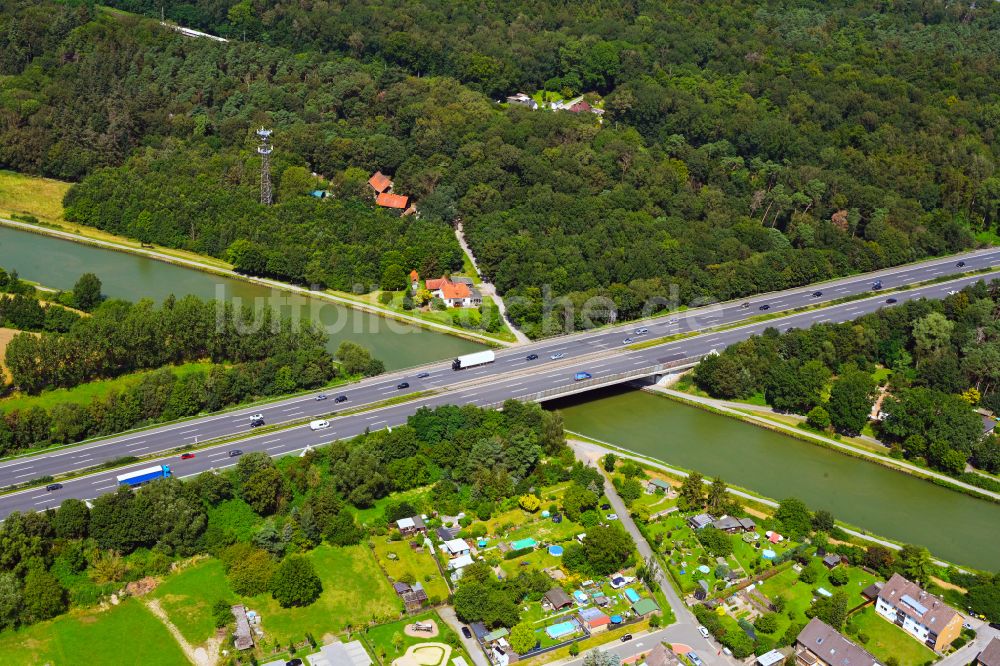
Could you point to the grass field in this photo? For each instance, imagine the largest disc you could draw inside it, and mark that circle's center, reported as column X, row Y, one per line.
column 6, row 334
column 187, row 597
column 125, row 634
column 390, row 641
column 84, row 394
column 887, row 640
column 354, row 592
column 419, row 565
column 418, row 497
column 29, row 195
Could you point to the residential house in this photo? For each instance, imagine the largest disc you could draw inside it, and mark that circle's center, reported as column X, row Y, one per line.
column 732, row 524
column 661, row 656
column 990, row 656
column 521, row 99
column 831, row 560
column 871, row 592
column 989, row 424
column 411, row 525
column 243, row 636
column 460, row 562
column 456, row 547
column 644, row 607
column 557, row 598
column 456, row 293
column 700, row 521
column 657, row 484
column 922, row 615
column 340, row 654
column 496, row 636
column 594, row 620
column 819, row 644
column 394, row 201
column 446, row 533
column 380, row 183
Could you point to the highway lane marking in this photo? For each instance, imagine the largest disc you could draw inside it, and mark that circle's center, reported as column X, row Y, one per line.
column 218, row 455
column 296, row 412
column 106, row 487
column 377, row 422
column 184, row 432
column 42, row 502
column 292, row 409
column 272, row 448
column 37, row 496
column 515, row 385
column 20, row 476
column 271, row 441
column 141, row 448
column 84, row 460
column 99, row 481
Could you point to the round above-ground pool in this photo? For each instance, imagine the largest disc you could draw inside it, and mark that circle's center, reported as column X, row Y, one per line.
column 555, row 551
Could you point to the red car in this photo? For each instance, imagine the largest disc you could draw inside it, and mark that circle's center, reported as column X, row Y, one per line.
column 187, row 456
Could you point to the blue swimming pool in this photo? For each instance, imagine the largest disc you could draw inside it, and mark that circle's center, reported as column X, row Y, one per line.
column 631, row 594
column 561, row 629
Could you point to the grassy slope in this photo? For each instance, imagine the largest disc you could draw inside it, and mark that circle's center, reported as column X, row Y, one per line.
column 125, row 634
column 29, row 195
column 84, row 394
column 188, row 596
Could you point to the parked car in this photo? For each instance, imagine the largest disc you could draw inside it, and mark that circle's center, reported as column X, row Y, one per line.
column 532, row 357
column 403, row 385
column 694, row 659
column 466, row 632
column 423, row 375
column 321, row 424
column 294, row 662
column 627, row 341
column 641, row 331
column 703, row 631
column 961, row 264
column 817, row 294
column 580, row 376
column 187, row 456
column 890, row 301
column 235, row 453
column 556, row 357
column 612, row 516
column 764, row 307
column 53, row 486
column 340, row 398
column 626, row 637
column 605, row 506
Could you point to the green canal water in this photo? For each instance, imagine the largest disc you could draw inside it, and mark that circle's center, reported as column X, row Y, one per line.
column 955, row 527
column 58, row 263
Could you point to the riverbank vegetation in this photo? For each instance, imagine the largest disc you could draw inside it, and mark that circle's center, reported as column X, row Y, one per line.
column 742, row 149
column 940, row 359
column 261, row 517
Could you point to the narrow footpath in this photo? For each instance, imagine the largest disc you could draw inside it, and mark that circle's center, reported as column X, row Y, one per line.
column 489, row 288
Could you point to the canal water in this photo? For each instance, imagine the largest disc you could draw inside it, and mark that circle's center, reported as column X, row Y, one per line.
column 955, row 527
column 58, row 263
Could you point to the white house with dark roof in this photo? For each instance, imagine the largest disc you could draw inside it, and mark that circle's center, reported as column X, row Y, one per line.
column 819, row 644
column 919, row 613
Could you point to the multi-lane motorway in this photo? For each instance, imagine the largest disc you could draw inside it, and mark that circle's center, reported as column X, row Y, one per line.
column 602, row 353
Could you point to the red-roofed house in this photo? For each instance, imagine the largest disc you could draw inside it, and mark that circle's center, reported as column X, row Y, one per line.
column 380, row 182
column 396, row 201
column 414, row 280
column 457, row 293
column 580, row 107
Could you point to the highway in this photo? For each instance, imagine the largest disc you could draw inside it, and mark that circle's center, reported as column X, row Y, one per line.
column 600, row 352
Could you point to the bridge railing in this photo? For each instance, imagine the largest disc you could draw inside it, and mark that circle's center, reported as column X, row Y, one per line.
column 595, row 382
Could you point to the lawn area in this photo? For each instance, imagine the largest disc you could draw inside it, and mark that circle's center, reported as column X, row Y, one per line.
column 30, row 195
column 419, row 565
column 187, row 598
column 389, row 641
column 415, row 496
column 85, row 394
column 354, row 592
column 237, row 516
column 6, row 335
column 887, row 640
column 125, row 634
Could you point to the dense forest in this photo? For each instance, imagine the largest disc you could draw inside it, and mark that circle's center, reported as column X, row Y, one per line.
column 744, row 147
column 259, row 516
column 943, row 359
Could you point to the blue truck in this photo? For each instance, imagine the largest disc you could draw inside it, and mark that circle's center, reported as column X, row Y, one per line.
column 142, row 476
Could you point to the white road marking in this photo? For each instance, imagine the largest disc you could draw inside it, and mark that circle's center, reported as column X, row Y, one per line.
column 184, row 432
column 271, row 441
column 141, row 448
column 273, row 448
column 20, row 476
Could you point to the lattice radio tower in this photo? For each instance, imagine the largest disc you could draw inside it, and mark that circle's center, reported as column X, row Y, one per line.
column 265, row 149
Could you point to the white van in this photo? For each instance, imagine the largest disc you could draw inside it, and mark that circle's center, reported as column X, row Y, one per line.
column 319, row 425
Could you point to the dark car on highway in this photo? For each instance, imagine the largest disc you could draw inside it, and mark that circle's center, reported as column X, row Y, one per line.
column 423, row 375
column 235, row 452
column 890, row 301
column 961, row 264
column 340, row 398
column 53, row 486
column 817, row 294
column 532, row 357
column 403, row 385
column 764, row 307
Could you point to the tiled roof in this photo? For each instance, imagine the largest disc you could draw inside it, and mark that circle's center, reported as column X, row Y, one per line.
column 453, row 290
column 387, row 200
column 380, row 182
column 991, row 655
column 829, row 645
column 923, row 607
